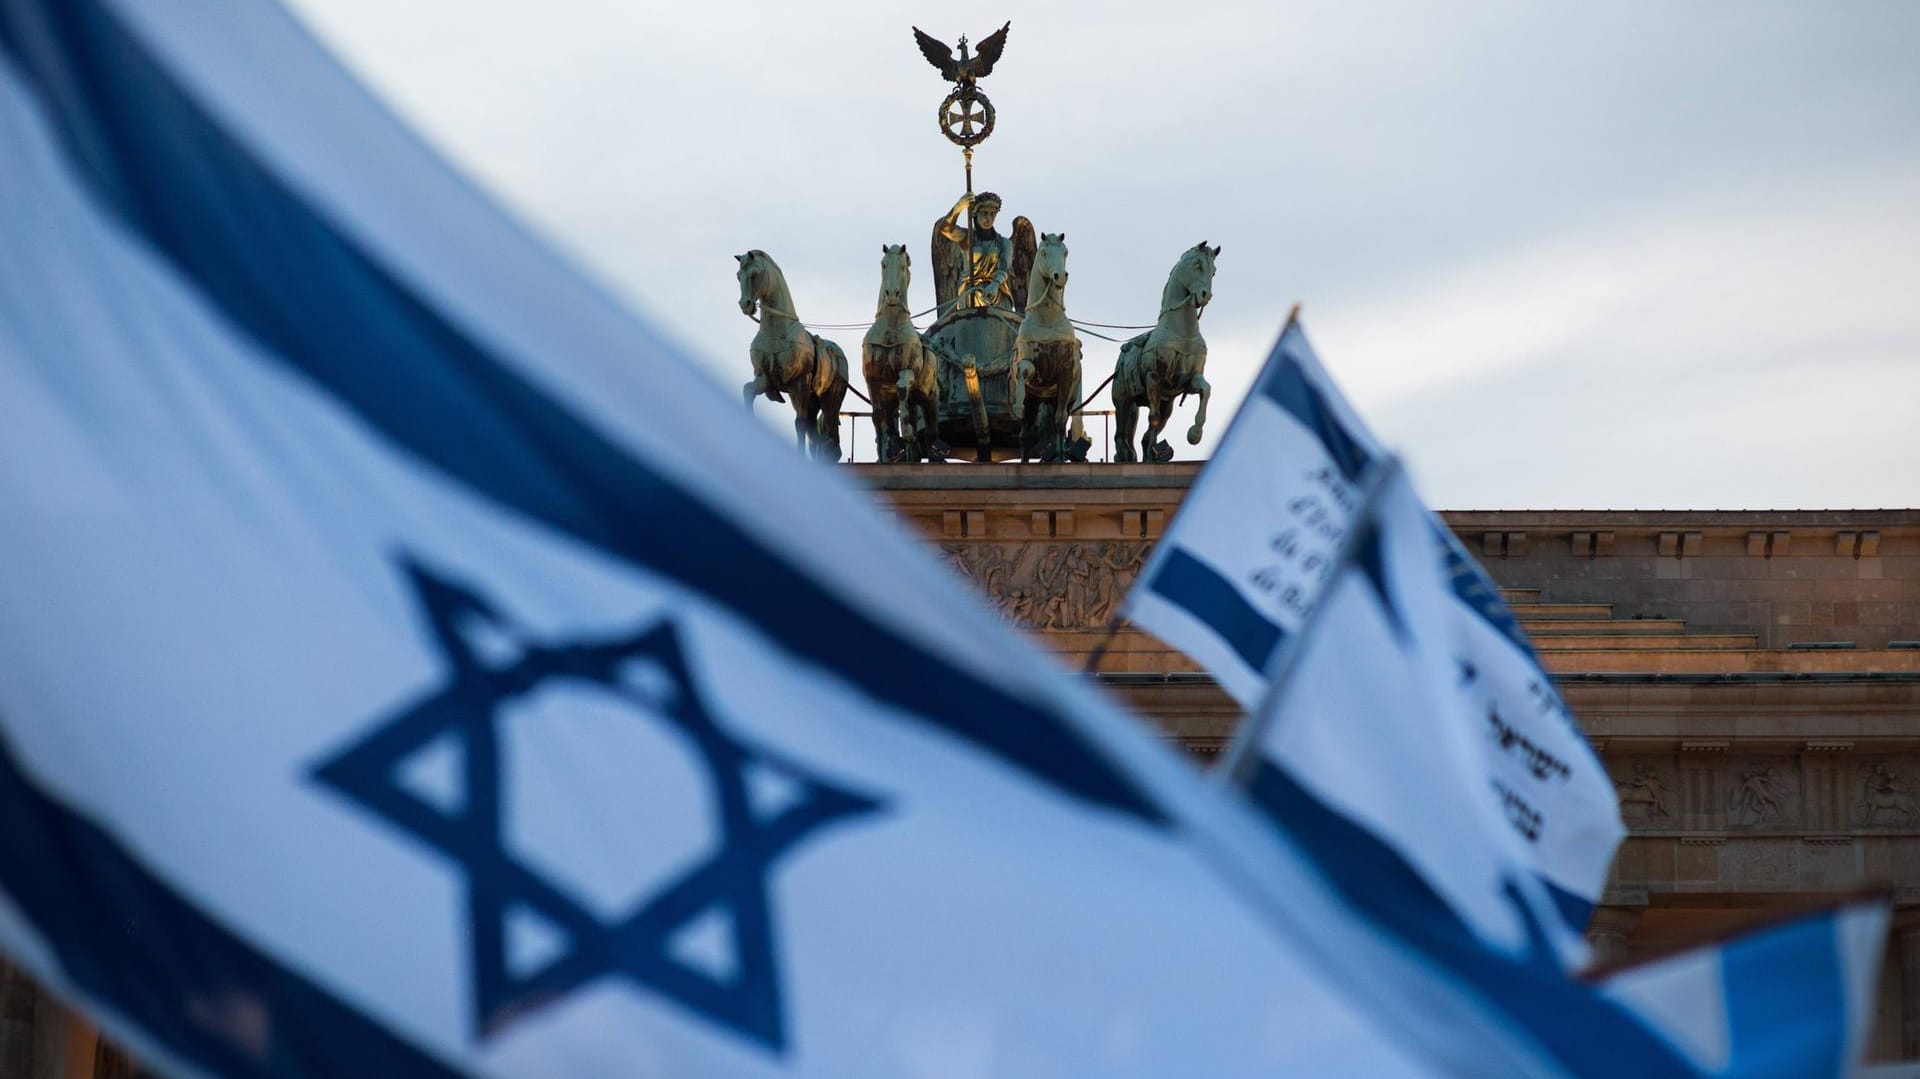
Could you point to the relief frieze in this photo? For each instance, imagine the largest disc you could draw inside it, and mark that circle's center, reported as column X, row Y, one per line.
column 1884, row 796
column 1051, row 585
column 1645, row 789
column 1762, row 793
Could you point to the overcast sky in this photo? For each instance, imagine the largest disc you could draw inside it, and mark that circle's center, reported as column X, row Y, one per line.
column 1596, row 255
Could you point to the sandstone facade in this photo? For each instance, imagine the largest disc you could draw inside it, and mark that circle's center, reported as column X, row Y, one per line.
column 1751, row 679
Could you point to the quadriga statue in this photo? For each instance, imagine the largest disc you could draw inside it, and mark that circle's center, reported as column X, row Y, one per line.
column 1167, row 362
column 901, row 380
column 973, row 264
column 1046, row 370
column 790, row 360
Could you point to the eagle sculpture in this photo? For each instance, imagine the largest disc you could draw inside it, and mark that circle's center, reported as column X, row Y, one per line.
column 967, row 69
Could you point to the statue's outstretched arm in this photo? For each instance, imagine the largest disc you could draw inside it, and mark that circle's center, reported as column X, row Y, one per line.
column 950, row 226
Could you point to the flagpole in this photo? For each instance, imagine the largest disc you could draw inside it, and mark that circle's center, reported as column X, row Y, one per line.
column 1100, row 647
column 1237, row 760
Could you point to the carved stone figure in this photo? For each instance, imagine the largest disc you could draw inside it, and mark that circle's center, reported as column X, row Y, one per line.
column 1884, row 795
column 1122, row 563
column 1643, row 797
column 1046, row 370
column 959, row 558
column 993, row 569
column 1049, row 589
column 1046, row 585
column 788, row 359
column 900, row 374
column 1758, row 796
column 1167, row 362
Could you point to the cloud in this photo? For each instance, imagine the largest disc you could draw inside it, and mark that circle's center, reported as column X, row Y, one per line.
column 1757, row 348
column 1585, row 217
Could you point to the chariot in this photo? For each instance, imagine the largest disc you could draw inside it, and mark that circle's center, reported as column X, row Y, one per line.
column 997, row 375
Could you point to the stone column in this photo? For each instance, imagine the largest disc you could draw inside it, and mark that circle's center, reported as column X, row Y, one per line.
column 1608, row 933
column 1906, row 949
column 17, row 994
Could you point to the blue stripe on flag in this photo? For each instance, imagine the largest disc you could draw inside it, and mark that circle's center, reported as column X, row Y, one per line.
column 1477, row 591
column 1285, row 383
column 1782, row 1027
column 1583, row 1030
column 1576, row 910
column 202, row 993
column 1193, row 585
column 1784, row 988
column 309, row 296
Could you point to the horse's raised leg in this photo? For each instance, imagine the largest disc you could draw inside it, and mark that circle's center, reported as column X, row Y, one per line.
column 752, row 390
column 1199, row 384
column 1162, row 414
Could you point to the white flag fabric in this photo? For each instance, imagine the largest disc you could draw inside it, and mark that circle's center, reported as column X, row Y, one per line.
column 1253, row 542
column 411, row 665
column 1366, row 719
column 1360, row 762
column 1248, row 555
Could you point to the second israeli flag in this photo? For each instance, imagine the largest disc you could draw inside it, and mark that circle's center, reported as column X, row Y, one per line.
column 1251, row 552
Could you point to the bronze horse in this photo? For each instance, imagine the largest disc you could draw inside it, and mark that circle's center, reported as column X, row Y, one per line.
column 787, row 359
column 1046, row 372
column 1168, row 362
column 899, row 369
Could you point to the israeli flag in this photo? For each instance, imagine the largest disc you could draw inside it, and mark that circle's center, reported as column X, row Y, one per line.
column 1250, row 552
column 1792, row 999
column 1357, row 760
column 1364, row 717
column 411, row 665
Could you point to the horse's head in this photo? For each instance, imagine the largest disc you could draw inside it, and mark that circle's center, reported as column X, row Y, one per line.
column 894, row 275
column 756, row 275
column 1192, row 278
column 1050, row 263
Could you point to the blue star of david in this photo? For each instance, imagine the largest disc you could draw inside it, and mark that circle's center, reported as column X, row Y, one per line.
column 727, row 888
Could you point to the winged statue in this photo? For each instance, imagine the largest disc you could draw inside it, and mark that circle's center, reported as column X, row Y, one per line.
column 964, row 70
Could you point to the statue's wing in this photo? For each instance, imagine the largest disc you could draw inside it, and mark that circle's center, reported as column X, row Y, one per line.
column 1024, row 246
column 937, row 53
column 988, row 54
